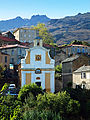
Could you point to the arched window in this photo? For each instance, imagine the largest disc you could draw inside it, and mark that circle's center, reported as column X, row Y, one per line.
column 78, row 50
column 38, row 43
column 12, row 52
column 83, row 85
column 38, row 71
column 83, row 50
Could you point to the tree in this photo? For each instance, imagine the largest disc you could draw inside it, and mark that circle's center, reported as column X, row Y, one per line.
column 58, row 68
column 8, row 105
column 26, row 89
column 59, row 103
column 43, row 33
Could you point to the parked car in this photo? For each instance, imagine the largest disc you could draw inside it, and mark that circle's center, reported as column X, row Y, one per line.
column 12, row 86
column 11, row 93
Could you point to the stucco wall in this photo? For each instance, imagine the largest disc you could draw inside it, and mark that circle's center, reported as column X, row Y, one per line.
column 77, row 80
column 47, row 70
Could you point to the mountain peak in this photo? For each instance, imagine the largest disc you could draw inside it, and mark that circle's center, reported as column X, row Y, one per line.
column 18, row 17
column 39, row 17
column 19, row 22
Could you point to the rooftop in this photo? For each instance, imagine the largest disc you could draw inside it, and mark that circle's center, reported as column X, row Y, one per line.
column 7, row 39
column 4, row 53
column 12, row 46
column 23, row 28
column 5, row 32
column 79, row 45
column 83, row 69
column 73, row 45
column 70, row 59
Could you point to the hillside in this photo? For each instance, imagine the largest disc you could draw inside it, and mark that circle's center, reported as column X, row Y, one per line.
column 17, row 22
column 70, row 28
column 64, row 30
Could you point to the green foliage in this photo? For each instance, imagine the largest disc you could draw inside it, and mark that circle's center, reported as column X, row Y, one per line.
column 64, row 45
column 5, row 87
column 30, row 102
column 17, row 115
column 73, row 107
column 26, row 89
column 43, row 33
column 58, row 68
column 59, row 103
column 69, row 84
column 83, row 96
column 41, row 115
column 57, row 75
column 7, row 106
column 2, row 69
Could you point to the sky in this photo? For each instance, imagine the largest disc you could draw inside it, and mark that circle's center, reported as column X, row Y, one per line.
column 52, row 8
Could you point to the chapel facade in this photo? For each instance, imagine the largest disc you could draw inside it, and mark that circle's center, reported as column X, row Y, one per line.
column 38, row 67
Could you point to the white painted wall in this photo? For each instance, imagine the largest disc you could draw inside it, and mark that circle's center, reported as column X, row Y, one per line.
column 42, row 79
column 38, row 64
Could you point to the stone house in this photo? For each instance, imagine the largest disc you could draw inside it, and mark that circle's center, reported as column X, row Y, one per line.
column 25, row 34
column 75, row 49
column 16, row 52
column 60, row 56
column 71, row 64
column 81, row 77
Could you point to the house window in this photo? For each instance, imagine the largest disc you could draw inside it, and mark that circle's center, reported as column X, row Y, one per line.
column 78, row 50
column 24, row 35
column 21, row 30
column 38, row 58
column 21, row 35
column 38, row 71
column 12, row 60
column 73, row 49
column 83, row 75
column 83, row 86
column 12, row 53
column 24, row 30
column 5, row 59
column 6, row 51
column 29, row 35
column 38, row 78
column 77, row 86
column 83, row 50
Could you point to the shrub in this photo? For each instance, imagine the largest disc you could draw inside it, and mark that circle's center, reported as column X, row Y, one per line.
column 26, row 89
column 41, row 115
column 59, row 103
column 7, row 106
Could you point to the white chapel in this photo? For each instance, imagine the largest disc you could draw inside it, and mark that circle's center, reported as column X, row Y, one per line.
column 38, row 67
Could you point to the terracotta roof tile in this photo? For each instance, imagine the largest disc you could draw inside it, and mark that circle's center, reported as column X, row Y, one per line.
column 7, row 39
column 10, row 46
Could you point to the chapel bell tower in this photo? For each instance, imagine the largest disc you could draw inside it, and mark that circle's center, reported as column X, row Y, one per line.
column 38, row 41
